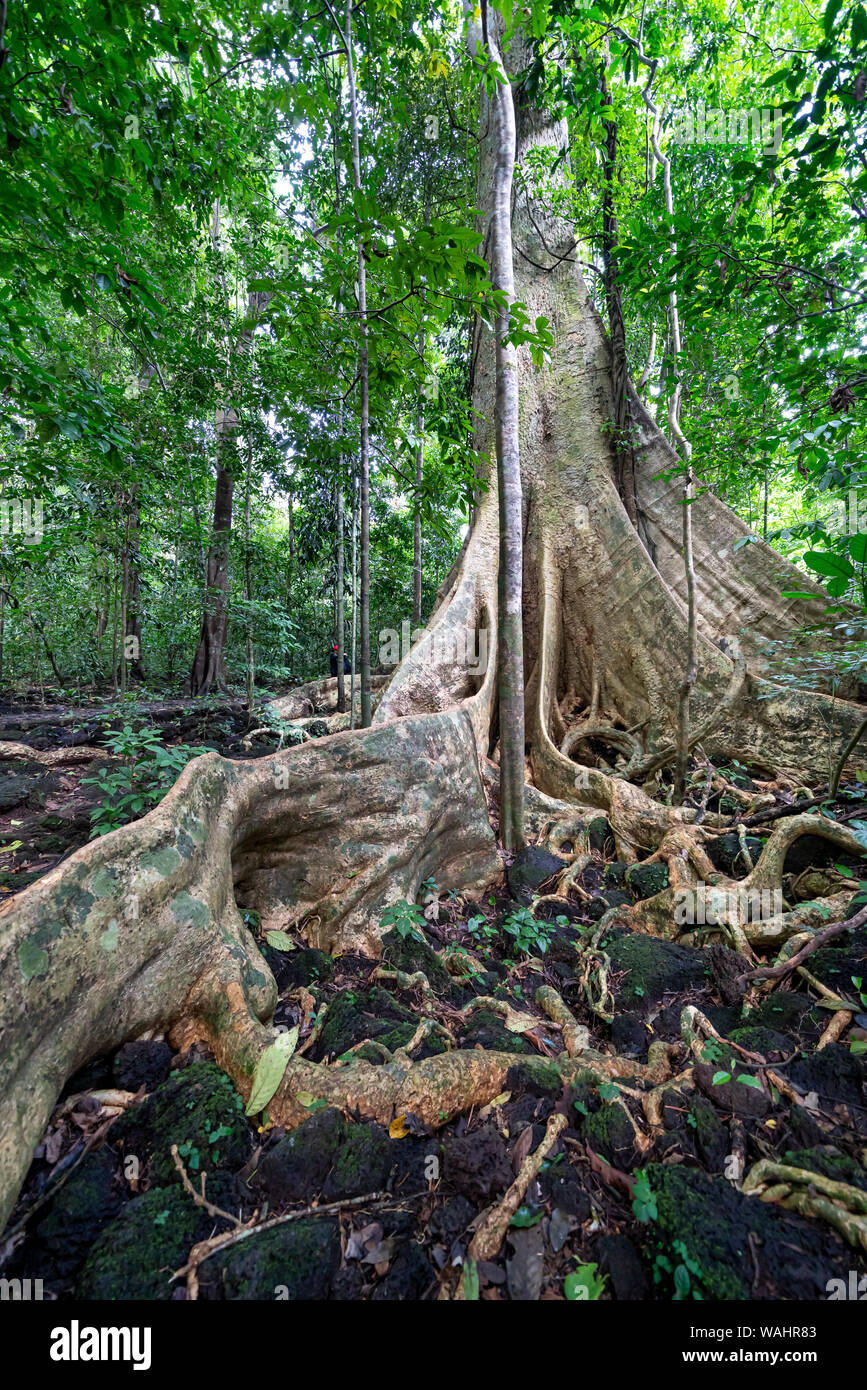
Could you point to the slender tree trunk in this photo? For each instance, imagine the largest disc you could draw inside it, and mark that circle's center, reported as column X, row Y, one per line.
column 248, row 592
column 353, row 656
column 132, row 619
column 207, row 672
column 364, row 384
column 511, row 641
column 124, row 589
column 339, row 620
column 416, row 521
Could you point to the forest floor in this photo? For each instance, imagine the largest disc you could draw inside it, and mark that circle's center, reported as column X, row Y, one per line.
column 657, row 1211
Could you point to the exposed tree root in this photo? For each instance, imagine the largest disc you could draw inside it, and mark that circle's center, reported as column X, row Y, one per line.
column 493, row 1224
column 811, row 1194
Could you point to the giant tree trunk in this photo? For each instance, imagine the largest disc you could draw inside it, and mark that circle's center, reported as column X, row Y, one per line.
column 141, row 929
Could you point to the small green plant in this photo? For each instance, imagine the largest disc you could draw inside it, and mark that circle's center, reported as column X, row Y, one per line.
column 147, row 772
column 531, row 937
column 406, row 918
column 584, row 1285
column 683, row 1273
column 527, row 1216
column 643, row 1200
column 190, row 1154
column 481, row 930
column 721, row 1077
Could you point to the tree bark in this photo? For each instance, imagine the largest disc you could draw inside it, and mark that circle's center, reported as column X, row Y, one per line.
column 510, row 685
column 339, row 618
column 207, row 673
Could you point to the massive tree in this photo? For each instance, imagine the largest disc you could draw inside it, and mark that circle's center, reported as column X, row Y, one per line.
column 142, row 930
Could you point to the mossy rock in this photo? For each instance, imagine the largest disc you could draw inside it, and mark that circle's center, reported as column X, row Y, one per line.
column 630, row 1035
column 646, row 880
column 327, row 1156
column 90, row 1198
column 13, row 791
column 783, row 1011
column 609, row 1133
column 295, row 1261
column 725, row 853
column 197, row 1107
column 138, row 1253
column 835, row 1074
column 305, row 967
column 356, row 1015
column 835, row 964
column 614, row 875
column 653, row 968
column 762, row 1040
column 534, row 1078
column 410, row 953
column 531, row 867
column 488, row 1030
column 809, row 852
column 740, row 1095
column 600, row 836
column 714, row 1221
column 830, row 1163
column 612, row 897
column 712, row 1137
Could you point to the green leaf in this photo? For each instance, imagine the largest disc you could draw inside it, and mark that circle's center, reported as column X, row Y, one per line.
column 280, row 941
column 471, row 1280
column 527, row 1216
column 583, row 1285
column 823, row 562
column 270, row 1070
column 830, row 15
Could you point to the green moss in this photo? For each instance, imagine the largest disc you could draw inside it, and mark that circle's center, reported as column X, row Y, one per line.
column 646, row 880
column 198, row 1109
column 327, row 1156
column 487, row 1028
column 690, row 1210
column 534, row 1077
column 761, row 1039
column 599, row 834
column 354, row 1015
column 138, row 1253
column 830, row 1162
column 717, row 1225
column 783, row 1011
column 295, row 1261
column 609, row 1133
column 654, row 968
column 410, row 954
